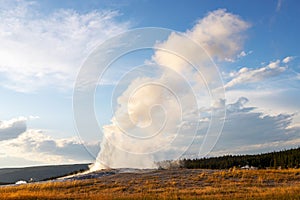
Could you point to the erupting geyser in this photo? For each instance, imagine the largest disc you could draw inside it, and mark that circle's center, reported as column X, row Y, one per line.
column 175, row 108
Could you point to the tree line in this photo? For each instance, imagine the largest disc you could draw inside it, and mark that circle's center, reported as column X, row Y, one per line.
column 281, row 159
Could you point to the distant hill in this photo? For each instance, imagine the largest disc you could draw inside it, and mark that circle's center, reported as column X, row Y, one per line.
column 281, row 159
column 39, row 173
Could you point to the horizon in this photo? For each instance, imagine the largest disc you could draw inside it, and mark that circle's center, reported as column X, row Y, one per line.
column 181, row 159
column 244, row 100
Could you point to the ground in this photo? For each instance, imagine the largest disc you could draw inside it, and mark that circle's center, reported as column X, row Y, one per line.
column 169, row 184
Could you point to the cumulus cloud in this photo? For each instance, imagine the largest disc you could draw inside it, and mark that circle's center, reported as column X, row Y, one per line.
column 248, row 75
column 36, row 145
column 247, row 130
column 47, row 50
column 258, row 148
column 12, row 128
column 250, row 131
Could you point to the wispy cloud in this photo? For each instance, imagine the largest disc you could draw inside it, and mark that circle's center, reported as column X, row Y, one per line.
column 238, row 56
column 248, row 75
column 279, row 4
column 243, row 54
column 47, row 50
column 288, row 59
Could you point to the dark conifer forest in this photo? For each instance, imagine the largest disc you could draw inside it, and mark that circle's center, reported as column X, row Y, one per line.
column 276, row 160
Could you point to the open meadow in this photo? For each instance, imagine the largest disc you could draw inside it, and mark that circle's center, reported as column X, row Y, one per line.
column 169, row 184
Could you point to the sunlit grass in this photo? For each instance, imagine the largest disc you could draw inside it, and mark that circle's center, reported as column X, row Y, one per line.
column 169, row 184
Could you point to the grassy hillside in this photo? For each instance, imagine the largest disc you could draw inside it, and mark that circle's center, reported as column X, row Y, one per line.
column 169, row 184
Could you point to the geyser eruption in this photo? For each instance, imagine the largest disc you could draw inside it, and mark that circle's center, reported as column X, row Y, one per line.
column 146, row 120
column 175, row 108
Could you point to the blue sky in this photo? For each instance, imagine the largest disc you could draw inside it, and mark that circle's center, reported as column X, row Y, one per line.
column 44, row 43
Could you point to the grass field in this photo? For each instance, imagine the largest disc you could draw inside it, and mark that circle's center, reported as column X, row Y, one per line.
column 169, row 184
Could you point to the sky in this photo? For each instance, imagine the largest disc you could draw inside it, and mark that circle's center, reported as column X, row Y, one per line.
column 44, row 45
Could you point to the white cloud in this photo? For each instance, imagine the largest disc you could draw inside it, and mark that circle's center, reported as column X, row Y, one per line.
column 287, row 59
column 219, row 33
column 238, row 56
column 243, row 54
column 248, row 75
column 258, row 148
column 230, row 60
column 36, row 145
column 247, row 130
column 12, row 128
column 38, row 51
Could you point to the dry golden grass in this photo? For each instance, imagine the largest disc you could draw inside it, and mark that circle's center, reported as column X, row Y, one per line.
column 169, row 184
